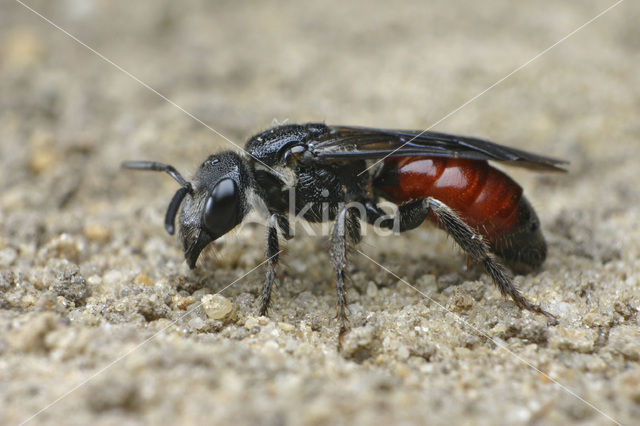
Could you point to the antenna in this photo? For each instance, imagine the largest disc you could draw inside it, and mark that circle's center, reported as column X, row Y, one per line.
column 174, row 205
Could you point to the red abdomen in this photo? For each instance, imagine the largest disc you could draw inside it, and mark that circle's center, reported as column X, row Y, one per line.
column 484, row 197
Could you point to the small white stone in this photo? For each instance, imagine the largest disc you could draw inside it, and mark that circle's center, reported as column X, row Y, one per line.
column 218, row 307
column 285, row 326
column 372, row 289
column 94, row 280
column 251, row 323
column 112, row 278
column 196, row 323
column 8, row 256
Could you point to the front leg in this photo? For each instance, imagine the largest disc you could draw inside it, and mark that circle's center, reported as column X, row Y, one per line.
column 346, row 229
column 273, row 251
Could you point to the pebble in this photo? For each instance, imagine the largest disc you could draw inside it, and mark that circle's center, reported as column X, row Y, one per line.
column 218, row 307
column 372, row 289
column 358, row 343
column 182, row 302
column 63, row 246
column 8, row 255
column 628, row 384
column 573, row 339
column 251, row 323
column 94, row 280
column 596, row 319
column 22, row 47
column 255, row 323
column 42, row 159
column 625, row 340
column 64, row 279
column 30, row 337
column 461, row 302
column 196, row 323
column 112, row 278
column 97, row 233
column 285, row 326
column 143, row 279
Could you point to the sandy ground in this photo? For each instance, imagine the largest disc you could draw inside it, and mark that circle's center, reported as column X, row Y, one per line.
column 103, row 323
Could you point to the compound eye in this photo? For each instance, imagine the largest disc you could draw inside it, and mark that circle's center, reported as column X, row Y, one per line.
column 221, row 210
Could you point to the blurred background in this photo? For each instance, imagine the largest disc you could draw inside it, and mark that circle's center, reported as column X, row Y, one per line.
column 241, row 66
column 70, row 113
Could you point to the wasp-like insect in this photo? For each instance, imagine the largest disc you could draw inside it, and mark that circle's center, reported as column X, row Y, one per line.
column 442, row 178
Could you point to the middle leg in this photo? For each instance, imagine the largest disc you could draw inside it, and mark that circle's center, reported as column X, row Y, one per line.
column 273, row 253
column 346, row 230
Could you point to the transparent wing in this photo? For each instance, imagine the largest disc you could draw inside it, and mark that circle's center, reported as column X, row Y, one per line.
column 347, row 142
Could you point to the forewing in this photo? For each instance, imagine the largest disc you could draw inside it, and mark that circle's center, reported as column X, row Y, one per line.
column 355, row 143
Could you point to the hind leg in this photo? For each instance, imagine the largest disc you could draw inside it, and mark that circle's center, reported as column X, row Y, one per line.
column 273, row 254
column 412, row 214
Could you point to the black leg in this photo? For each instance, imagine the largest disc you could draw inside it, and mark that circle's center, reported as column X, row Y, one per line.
column 273, row 250
column 346, row 230
column 476, row 247
column 283, row 224
column 411, row 215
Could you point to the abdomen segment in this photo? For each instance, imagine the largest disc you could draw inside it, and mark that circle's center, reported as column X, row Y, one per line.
column 484, row 197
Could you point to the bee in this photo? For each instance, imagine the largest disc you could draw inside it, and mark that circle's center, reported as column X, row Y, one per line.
column 343, row 173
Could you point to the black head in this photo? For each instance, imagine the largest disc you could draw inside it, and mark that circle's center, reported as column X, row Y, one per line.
column 212, row 205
